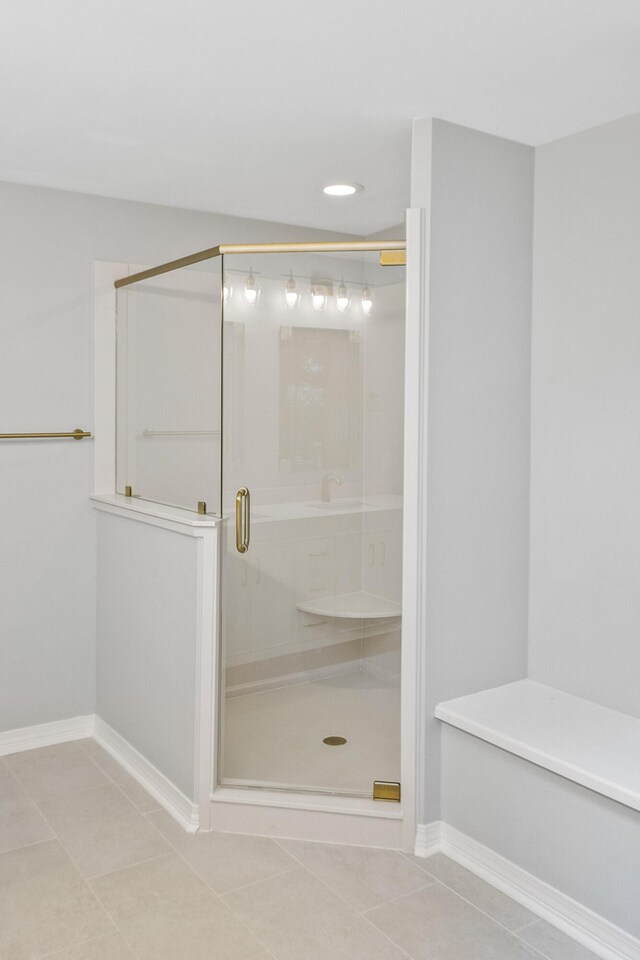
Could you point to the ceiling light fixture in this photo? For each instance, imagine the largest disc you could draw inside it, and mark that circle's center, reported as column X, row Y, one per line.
column 342, row 189
column 367, row 301
column 291, row 295
column 342, row 298
column 251, row 289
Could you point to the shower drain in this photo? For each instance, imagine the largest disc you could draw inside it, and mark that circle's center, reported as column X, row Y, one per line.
column 335, row 741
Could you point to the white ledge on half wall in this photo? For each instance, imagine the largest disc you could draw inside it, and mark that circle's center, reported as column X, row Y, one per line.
column 118, row 503
column 592, row 745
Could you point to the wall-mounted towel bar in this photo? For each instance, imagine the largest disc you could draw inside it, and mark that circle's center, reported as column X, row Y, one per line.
column 76, row 434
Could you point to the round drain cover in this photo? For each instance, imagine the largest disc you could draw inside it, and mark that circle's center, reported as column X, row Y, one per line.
column 334, row 741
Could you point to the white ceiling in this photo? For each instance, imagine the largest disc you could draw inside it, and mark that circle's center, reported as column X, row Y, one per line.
column 246, row 107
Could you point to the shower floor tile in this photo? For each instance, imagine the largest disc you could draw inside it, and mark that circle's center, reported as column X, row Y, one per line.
column 276, row 737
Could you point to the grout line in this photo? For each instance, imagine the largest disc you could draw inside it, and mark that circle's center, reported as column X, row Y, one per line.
column 351, row 908
column 411, row 858
column 127, row 866
column 220, row 896
column 91, row 892
column 83, row 943
column 254, row 883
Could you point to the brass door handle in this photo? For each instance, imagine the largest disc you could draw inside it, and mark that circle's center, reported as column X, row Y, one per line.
column 243, row 519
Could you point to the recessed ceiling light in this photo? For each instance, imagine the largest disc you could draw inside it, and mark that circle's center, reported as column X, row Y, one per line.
column 342, row 189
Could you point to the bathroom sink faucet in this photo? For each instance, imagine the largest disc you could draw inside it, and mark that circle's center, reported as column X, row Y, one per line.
column 327, row 480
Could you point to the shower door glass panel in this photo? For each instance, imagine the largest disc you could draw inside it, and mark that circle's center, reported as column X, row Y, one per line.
column 312, row 429
column 168, row 388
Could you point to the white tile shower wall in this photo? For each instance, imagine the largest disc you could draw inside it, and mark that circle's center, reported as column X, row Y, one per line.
column 297, row 554
column 48, row 242
column 585, row 457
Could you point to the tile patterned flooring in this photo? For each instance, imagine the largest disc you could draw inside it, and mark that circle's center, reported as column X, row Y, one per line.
column 92, row 869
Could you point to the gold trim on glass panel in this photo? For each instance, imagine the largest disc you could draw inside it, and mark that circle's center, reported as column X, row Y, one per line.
column 336, row 246
column 393, row 258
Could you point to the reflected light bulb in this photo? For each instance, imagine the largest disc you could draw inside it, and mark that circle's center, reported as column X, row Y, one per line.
column 367, row 302
column 291, row 294
column 226, row 290
column 342, row 298
column 318, row 298
column 251, row 288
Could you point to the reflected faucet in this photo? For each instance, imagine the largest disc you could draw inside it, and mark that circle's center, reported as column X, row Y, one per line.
column 327, row 480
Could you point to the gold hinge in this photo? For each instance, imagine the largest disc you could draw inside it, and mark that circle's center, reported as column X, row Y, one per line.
column 202, row 507
column 128, row 492
column 393, row 258
column 386, row 790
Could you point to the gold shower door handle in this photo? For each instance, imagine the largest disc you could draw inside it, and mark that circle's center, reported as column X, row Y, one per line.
column 243, row 519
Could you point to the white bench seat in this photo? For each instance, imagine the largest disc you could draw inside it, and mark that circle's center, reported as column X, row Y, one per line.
column 592, row 745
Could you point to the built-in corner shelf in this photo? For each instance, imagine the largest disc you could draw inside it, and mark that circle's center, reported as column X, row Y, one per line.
column 582, row 741
column 352, row 606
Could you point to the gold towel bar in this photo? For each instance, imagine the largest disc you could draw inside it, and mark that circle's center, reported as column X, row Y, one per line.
column 76, row 434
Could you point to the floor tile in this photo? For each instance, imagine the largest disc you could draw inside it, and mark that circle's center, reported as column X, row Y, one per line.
column 554, row 944
column 362, row 876
column 58, row 771
column 102, row 830
column 45, row 905
column 437, row 924
column 225, row 861
column 482, row 895
column 297, row 918
column 106, row 948
column 130, row 787
column 21, row 823
column 167, row 913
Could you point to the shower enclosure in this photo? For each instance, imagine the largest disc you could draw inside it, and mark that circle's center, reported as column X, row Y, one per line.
column 264, row 385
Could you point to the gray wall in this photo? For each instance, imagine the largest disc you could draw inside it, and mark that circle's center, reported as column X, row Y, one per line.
column 48, row 242
column 585, row 447
column 579, row 842
column 481, row 194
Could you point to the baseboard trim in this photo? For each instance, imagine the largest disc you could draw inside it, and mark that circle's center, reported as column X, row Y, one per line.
column 46, row 734
column 428, row 839
column 154, row 782
column 594, row 932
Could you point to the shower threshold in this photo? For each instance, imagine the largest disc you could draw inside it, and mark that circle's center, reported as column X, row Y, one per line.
column 307, row 816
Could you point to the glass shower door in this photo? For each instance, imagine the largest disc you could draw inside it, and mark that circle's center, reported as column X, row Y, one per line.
column 312, row 503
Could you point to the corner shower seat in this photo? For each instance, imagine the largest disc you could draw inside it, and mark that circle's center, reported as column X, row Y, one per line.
column 581, row 741
column 352, row 606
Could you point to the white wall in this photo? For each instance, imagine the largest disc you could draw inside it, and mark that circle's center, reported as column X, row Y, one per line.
column 48, row 242
column 585, row 424
column 480, row 192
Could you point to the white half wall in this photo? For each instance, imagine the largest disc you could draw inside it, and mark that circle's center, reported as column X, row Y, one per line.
column 156, row 634
column 479, row 190
column 585, row 417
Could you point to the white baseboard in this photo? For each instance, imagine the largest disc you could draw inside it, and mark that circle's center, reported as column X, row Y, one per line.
column 428, row 839
column 46, row 734
column 183, row 810
column 594, row 932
